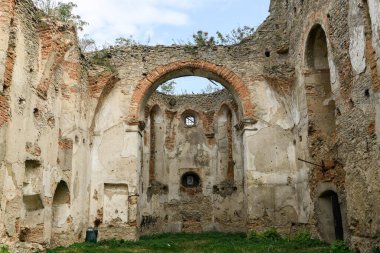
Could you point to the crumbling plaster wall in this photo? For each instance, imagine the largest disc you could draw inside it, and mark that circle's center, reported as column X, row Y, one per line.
column 374, row 13
column 67, row 122
column 276, row 191
column 218, row 203
column 351, row 29
column 280, row 190
column 44, row 129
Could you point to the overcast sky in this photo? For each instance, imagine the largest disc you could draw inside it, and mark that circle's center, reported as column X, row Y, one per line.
column 162, row 21
column 167, row 21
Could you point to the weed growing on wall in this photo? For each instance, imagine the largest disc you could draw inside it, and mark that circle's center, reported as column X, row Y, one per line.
column 62, row 12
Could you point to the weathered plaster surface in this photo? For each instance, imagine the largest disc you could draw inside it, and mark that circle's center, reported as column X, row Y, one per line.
column 314, row 97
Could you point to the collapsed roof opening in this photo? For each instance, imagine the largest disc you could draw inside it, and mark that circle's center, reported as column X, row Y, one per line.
column 190, row 85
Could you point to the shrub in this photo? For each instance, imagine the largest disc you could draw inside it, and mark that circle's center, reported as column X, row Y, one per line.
column 62, row 12
column 103, row 58
column 254, row 236
column 339, row 246
column 272, row 234
column 4, row 249
column 268, row 235
column 302, row 237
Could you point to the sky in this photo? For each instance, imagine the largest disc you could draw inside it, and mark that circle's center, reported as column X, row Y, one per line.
column 166, row 22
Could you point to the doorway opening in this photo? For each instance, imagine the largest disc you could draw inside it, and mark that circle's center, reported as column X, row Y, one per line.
column 330, row 217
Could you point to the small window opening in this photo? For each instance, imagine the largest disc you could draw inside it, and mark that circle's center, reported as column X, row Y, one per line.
column 366, row 93
column 190, row 120
column 36, row 112
column 190, row 180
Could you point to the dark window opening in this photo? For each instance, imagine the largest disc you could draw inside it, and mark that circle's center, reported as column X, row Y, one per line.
column 190, row 180
column 366, row 93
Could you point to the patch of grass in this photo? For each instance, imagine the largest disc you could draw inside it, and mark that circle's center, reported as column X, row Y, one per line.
column 272, row 234
column 269, row 241
column 302, row 237
column 4, row 249
column 339, row 247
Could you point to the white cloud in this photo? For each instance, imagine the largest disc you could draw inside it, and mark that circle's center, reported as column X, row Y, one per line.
column 110, row 19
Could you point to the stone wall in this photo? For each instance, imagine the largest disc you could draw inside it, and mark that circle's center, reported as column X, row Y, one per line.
column 44, row 133
column 262, row 111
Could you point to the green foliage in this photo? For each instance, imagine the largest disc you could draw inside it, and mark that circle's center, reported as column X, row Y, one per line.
column 339, row 247
column 167, row 87
column 376, row 250
column 254, row 236
column 46, row 6
column 202, row 39
column 201, row 243
column 4, row 249
column 302, row 237
column 268, row 235
column 271, row 234
column 211, row 87
column 235, row 36
column 103, row 58
column 122, row 41
column 87, row 44
column 62, row 12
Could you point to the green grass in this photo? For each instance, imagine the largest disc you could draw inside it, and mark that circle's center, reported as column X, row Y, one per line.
column 267, row 242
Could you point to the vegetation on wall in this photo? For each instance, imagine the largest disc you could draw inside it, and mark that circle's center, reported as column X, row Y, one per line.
column 168, row 87
column 204, row 39
column 62, row 12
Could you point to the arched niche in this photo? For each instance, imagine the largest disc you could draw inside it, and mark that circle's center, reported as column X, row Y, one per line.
column 320, row 100
column 60, row 213
column 156, row 134
column 225, row 142
column 316, row 55
column 61, row 195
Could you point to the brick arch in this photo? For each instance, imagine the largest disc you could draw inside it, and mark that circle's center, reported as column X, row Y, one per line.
column 201, row 68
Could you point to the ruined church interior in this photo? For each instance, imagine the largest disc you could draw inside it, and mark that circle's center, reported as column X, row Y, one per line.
column 290, row 141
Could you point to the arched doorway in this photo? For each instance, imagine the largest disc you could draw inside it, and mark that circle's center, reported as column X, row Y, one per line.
column 199, row 68
column 128, row 150
column 192, row 164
